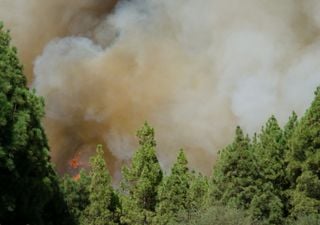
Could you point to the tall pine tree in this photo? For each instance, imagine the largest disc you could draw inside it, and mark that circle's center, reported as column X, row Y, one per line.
column 270, row 148
column 304, row 162
column 101, row 209
column 76, row 193
column 173, row 192
column 141, row 180
column 234, row 175
column 29, row 191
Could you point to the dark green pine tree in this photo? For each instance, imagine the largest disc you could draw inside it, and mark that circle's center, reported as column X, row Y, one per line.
column 270, row 149
column 233, row 179
column 173, row 193
column 29, row 191
column 76, row 193
column 304, row 162
column 101, row 209
column 140, row 181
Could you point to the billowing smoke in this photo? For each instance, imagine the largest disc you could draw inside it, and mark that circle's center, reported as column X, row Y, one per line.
column 36, row 22
column 193, row 69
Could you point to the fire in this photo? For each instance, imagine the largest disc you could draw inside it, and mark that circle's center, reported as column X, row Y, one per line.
column 76, row 177
column 75, row 162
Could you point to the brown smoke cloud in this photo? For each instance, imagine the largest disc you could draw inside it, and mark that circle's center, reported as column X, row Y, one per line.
column 193, row 69
column 34, row 23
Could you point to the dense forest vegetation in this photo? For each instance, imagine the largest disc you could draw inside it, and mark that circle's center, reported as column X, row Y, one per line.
column 270, row 178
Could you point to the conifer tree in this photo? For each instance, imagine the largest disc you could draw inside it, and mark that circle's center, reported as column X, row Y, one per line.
column 290, row 127
column 267, row 204
column 197, row 192
column 234, row 175
column 288, row 131
column 304, row 162
column 100, row 210
column 270, row 152
column 29, row 191
column 76, row 193
column 173, row 192
column 141, row 180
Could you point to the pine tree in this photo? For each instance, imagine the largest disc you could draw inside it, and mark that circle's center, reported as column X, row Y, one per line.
column 173, row 192
column 29, row 192
column 290, row 127
column 141, row 180
column 267, row 204
column 270, row 152
column 234, row 175
column 100, row 210
column 197, row 192
column 304, row 162
column 76, row 193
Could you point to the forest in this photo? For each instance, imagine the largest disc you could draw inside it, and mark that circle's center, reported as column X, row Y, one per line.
column 272, row 177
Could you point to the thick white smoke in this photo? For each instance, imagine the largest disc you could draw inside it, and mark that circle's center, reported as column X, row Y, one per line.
column 193, row 69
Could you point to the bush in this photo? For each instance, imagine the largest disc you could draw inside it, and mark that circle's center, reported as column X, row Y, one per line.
column 220, row 215
column 307, row 220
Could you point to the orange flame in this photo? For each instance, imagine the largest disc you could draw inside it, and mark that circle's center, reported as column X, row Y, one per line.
column 76, row 177
column 74, row 162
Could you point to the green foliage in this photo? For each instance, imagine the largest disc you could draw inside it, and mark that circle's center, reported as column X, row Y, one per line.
column 29, row 193
column 234, row 176
column 304, row 162
column 173, row 192
column 220, row 215
column 141, row 180
column 269, row 149
column 266, row 206
column 290, row 127
column 100, row 210
column 252, row 175
column 76, row 193
column 197, row 192
column 272, row 179
column 269, row 152
column 307, row 220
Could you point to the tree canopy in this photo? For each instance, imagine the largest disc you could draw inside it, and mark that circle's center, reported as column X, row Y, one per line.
column 29, row 189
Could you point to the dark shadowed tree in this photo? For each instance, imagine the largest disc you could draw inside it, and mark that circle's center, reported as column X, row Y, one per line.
column 29, row 191
column 76, row 193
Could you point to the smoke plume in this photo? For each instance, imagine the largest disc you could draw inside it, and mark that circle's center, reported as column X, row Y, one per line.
column 193, row 69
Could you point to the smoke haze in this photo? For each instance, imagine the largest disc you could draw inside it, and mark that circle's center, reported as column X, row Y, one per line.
column 193, row 69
